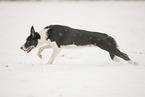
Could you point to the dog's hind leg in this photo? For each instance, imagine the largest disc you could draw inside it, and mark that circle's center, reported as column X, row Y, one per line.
column 124, row 56
column 114, row 58
column 41, row 49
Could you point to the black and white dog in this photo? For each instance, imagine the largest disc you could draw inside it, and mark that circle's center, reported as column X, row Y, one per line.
column 58, row 37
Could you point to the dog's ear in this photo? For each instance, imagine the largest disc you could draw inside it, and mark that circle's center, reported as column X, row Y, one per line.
column 32, row 31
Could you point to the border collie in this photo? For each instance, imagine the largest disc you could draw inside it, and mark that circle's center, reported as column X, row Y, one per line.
column 58, row 37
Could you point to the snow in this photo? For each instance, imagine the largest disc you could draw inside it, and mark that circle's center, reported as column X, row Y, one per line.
column 85, row 72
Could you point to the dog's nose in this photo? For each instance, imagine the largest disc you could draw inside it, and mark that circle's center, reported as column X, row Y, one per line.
column 21, row 48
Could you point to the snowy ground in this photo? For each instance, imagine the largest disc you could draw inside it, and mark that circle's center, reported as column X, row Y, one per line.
column 87, row 72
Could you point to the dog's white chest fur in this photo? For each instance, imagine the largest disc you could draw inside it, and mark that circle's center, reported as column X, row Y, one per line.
column 43, row 38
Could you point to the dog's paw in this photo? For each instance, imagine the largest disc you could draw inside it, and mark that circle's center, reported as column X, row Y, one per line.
column 50, row 62
column 39, row 55
column 133, row 63
column 115, row 59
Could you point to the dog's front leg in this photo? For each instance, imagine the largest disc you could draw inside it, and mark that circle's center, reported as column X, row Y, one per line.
column 41, row 49
column 56, row 51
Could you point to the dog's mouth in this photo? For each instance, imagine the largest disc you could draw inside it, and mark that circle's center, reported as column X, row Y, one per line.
column 29, row 49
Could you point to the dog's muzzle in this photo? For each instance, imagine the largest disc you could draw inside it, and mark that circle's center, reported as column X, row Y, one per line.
column 27, row 49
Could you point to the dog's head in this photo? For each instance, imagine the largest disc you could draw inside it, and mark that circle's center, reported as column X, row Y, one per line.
column 31, row 41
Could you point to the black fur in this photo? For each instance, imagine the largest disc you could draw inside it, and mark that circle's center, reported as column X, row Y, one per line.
column 64, row 36
column 32, row 40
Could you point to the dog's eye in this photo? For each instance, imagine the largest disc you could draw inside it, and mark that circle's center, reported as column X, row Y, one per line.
column 28, row 41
